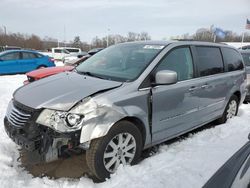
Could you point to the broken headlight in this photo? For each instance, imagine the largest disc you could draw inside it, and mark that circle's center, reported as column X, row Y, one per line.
column 60, row 121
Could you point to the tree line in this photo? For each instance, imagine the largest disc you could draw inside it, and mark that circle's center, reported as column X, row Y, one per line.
column 35, row 42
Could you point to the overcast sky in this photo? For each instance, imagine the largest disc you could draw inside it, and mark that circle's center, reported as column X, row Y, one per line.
column 90, row 18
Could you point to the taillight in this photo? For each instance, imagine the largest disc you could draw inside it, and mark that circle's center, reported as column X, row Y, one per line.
column 52, row 60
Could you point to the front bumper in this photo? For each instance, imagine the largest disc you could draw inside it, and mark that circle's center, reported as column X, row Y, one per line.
column 43, row 143
column 20, row 139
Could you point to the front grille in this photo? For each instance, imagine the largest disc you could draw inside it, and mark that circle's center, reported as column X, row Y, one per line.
column 16, row 116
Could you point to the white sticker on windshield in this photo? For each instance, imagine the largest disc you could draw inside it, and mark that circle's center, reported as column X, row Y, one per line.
column 155, row 47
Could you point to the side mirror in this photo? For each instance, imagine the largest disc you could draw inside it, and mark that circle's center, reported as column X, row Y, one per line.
column 165, row 77
column 249, row 136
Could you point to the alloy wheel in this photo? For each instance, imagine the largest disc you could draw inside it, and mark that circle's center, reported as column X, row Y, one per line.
column 232, row 109
column 120, row 150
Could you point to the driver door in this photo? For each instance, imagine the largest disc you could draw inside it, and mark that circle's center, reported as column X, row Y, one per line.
column 175, row 107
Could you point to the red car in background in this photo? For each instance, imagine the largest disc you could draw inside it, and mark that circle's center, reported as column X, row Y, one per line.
column 45, row 72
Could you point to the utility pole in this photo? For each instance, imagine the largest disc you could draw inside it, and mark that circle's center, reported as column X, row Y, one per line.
column 64, row 36
column 108, row 37
column 5, row 30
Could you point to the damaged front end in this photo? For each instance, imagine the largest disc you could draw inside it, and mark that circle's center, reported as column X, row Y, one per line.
column 48, row 135
column 42, row 143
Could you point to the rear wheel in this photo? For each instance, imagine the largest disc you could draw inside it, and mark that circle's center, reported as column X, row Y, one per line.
column 122, row 145
column 231, row 110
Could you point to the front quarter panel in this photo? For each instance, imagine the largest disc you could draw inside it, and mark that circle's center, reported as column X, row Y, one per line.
column 101, row 113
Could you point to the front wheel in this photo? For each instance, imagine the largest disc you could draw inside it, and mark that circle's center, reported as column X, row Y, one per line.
column 122, row 145
column 231, row 110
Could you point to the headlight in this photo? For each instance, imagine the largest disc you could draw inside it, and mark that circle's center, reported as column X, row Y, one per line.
column 60, row 121
column 73, row 119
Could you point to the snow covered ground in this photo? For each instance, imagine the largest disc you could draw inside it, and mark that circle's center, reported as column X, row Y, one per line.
column 185, row 163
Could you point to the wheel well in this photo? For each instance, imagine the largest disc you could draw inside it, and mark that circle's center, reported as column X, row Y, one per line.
column 41, row 66
column 237, row 93
column 139, row 124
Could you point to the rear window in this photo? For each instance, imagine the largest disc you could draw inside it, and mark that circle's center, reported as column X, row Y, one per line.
column 233, row 59
column 246, row 58
column 209, row 60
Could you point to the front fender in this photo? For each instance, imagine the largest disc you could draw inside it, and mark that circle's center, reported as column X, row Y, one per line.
column 103, row 116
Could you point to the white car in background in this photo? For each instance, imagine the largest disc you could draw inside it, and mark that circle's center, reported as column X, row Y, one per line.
column 74, row 56
column 59, row 53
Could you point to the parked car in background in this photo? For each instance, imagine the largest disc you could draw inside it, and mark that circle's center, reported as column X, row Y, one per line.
column 247, row 47
column 4, row 48
column 22, row 61
column 94, row 51
column 42, row 73
column 77, row 61
column 124, row 99
column 235, row 173
column 75, row 56
column 246, row 57
column 72, row 50
column 57, row 53
column 72, row 58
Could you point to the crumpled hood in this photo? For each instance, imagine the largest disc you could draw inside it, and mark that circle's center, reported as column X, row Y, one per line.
column 62, row 91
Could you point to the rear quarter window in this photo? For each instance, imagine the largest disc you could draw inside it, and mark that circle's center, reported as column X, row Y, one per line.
column 233, row 59
column 209, row 60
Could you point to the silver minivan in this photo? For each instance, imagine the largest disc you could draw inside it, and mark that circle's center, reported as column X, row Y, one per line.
column 124, row 99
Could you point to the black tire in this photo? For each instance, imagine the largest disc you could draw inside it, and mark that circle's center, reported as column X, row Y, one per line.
column 95, row 154
column 224, row 118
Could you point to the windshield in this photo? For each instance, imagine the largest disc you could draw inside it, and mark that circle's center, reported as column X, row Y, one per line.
column 124, row 62
column 246, row 58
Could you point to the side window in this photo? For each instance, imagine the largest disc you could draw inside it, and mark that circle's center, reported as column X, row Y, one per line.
column 72, row 50
column 233, row 59
column 27, row 55
column 58, row 51
column 180, row 61
column 209, row 60
column 39, row 55
column 11, row 56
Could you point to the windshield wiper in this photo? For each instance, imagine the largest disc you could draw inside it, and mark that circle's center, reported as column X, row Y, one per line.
column 90, row 74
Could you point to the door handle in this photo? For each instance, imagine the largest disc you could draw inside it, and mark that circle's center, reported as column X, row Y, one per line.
column 192, row 89
column 205, row 86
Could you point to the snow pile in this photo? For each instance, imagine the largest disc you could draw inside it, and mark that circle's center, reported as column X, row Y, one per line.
column 186, row 163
